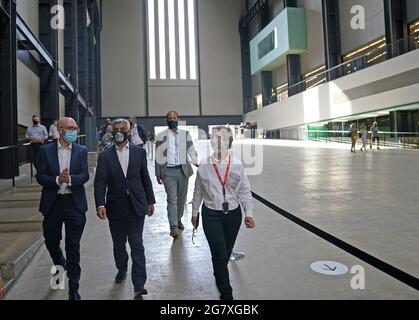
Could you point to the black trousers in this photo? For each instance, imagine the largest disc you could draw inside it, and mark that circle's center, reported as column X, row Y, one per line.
column 66, row 213
column 131, row 229
column 221, row 231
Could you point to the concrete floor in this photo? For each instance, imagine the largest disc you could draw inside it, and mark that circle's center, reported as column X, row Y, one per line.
column 369, row 200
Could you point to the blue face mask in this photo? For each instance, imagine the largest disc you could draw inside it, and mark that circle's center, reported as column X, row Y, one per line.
column 70, row 136
column 172, row 124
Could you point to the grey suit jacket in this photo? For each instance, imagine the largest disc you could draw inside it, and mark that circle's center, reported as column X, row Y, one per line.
column 187, row 152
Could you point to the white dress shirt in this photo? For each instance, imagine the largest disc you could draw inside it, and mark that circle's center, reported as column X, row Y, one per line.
column 173, row 153
column 53, row 131
column 123, row 156
column 208, row 187
column 135, row 137
column 64, row 159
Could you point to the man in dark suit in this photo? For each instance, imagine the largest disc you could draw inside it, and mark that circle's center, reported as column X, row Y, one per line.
column 124, row 195
column 63, row 171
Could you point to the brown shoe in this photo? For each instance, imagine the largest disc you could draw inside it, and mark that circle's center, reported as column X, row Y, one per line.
column 174, row 233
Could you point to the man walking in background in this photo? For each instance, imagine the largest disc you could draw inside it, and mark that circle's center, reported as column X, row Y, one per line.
column 36, row 135
column 375, row 136
column 138, row 135
column 174, row 152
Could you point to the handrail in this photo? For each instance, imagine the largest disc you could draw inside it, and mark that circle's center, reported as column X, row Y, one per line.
column 343, row 64
column 346, row 131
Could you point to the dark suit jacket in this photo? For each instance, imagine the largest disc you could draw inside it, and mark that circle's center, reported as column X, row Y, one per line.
column 49, row 170
column 111, row 186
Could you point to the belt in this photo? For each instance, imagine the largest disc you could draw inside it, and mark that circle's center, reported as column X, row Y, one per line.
column 63, row 196
column 175, row 167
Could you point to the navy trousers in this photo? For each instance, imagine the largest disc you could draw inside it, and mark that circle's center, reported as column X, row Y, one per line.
column 64, row 212
column 130, row 229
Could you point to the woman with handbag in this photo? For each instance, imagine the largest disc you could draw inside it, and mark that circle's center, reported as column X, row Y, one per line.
column 222, row 185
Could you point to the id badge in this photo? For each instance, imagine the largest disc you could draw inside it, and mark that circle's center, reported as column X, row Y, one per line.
column 225, row 207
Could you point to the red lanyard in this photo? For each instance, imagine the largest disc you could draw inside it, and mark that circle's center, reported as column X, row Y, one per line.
column 223, row 183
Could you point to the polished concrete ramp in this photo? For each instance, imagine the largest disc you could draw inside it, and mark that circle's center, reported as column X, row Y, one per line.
column 369, row 201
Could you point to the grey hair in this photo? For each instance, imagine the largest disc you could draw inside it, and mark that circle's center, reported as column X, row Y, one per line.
column 121, row 120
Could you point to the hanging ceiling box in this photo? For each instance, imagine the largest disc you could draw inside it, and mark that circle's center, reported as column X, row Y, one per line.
column 284, row 35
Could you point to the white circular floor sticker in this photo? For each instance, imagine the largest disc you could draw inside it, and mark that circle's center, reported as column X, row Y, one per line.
column 330, row 268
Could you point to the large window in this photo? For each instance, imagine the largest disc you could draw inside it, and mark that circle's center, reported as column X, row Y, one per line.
column 172, row 45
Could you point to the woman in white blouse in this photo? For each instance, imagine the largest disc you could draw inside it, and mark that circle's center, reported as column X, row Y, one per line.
column 222, row 186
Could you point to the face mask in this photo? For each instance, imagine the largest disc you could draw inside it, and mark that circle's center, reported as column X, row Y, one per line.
column 120, row 137
column 70, row 136
column 172, row 124
column 35, row 123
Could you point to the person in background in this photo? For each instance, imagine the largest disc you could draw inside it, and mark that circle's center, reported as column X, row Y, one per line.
column 354, row 136
column 138, row 135
column 375, row 136
column 107, row 141
column 36, row 135
column 222, row 185
column 2, row 290
column 175, row 152
column 151, row 144
column 102, row 130
column 364, row 137
column 53, row 131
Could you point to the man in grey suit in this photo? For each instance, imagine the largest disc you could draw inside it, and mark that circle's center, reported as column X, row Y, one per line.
column 174, row 154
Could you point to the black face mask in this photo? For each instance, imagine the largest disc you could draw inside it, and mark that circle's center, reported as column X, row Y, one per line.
column 172, row 124
column 120, row 137
column 35, row 123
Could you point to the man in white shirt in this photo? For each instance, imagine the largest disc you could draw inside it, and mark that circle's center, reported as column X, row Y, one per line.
column 53, row 131
column 62, row 172
column 174, row 154
column 138, row 135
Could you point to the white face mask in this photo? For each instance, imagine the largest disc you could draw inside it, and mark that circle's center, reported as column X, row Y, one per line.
column 218, row 146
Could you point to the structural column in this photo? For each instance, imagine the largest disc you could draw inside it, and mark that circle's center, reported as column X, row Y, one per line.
column 71, row 57
column 293, row 63
column 246, row 68
column 49, row 81
column 266, row 76
column 83, row 67
column 332, row 38
column 98, row 67
column 395, row 15
column 9, row 166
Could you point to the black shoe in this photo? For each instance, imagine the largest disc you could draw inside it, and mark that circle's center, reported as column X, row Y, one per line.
column 120, row 277
column 226, row 298
column 73, row 295
column 181, row 226
column 138, row 295
column 142, row 292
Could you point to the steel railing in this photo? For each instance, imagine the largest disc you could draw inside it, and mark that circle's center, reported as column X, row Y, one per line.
column 400, row 140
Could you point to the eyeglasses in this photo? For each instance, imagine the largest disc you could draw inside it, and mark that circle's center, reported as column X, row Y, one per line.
column 77, row 129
